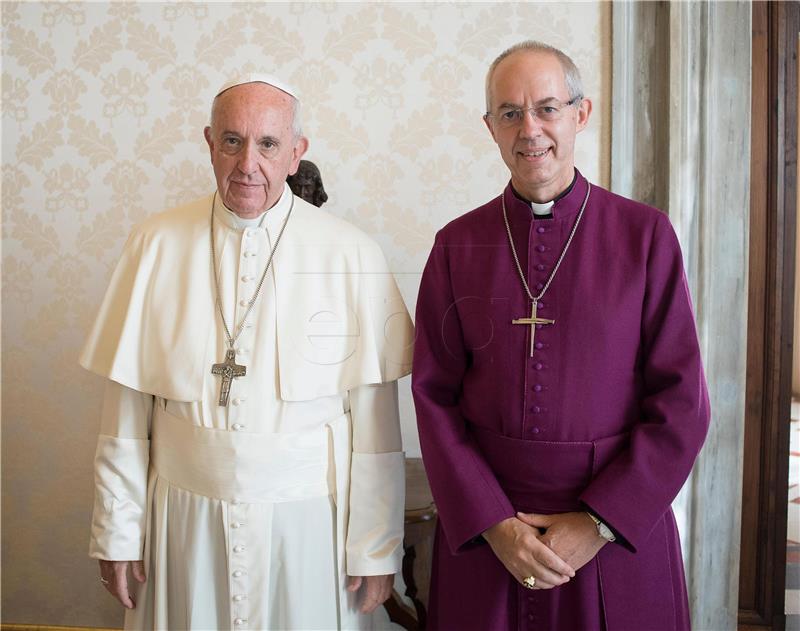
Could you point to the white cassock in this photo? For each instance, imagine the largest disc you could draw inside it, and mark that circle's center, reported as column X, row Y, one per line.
column 249, row 516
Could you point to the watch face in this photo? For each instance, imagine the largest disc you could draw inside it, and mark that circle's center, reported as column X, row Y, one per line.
column 602, row 530
column 605, row 532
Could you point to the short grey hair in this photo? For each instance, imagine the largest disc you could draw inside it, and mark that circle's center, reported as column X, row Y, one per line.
column 297, row 126
column 572, row 75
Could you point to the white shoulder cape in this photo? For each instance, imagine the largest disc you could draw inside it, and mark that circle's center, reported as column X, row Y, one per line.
column 340, row 317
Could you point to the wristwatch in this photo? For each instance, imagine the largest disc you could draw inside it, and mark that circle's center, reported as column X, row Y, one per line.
column 602, row 530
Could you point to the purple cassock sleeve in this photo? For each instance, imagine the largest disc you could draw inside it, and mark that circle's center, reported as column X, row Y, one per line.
column 468, row 496
column 633, row 491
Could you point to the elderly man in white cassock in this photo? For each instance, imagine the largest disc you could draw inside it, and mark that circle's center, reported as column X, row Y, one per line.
column 249, row 472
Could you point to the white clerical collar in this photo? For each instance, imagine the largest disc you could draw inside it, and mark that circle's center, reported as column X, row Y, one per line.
column 271, row 219
column 542, row 209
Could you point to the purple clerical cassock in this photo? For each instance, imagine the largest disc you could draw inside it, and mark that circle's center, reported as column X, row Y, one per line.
column 608, row 415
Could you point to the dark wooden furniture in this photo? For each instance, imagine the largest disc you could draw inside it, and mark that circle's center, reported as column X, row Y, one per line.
column 418, row 547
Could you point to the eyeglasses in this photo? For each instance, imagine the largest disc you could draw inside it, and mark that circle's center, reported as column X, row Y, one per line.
column 549, row 111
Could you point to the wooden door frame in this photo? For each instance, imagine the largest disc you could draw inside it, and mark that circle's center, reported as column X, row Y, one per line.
column 773, row 199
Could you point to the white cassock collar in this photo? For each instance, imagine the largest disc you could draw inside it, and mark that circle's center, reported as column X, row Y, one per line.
column 542, row 209
column 272, row 217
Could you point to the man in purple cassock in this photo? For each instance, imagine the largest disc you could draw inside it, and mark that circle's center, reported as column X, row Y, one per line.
column 558, row 384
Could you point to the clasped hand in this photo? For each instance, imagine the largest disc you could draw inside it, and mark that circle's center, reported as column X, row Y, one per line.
column 550, row 548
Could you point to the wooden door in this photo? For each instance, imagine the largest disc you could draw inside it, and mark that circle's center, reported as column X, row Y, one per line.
column 770, row 313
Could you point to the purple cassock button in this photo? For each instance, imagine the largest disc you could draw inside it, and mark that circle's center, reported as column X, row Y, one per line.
column 540, row 229
column 538, row 366
column 539, row 345
column 541, row 305
column 535, row 430
column 539, row 285
column 536, row 409
column 537, row 388
column 540, row 248
column 540, row 267
column 538, row 326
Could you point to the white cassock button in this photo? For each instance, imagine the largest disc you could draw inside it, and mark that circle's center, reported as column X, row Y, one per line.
column 238, row 549
column 239, row 622
column 237, row 574
column 238, row 598
column 236, row 524
column 237, row 401
column 242, row 303
column 249, row 253
column 246, row 278
column 237, row 427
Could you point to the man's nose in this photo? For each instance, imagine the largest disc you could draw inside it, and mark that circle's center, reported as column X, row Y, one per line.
column 248, row 158
column 530, row 125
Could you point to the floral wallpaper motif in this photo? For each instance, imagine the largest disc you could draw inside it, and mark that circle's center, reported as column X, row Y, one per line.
column 103, row 109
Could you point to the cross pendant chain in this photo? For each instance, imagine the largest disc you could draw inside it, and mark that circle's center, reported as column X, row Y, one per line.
column 229, row 370
column 533, row 321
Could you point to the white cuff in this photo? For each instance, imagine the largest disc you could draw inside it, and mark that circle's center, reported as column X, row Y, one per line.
column 377, row 507
column 118, row 520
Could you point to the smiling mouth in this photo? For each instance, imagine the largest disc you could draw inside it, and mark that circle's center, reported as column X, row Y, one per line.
column 535, row 154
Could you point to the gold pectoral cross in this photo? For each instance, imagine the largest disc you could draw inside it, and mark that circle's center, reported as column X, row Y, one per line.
column 229, row 370
column 533, row 321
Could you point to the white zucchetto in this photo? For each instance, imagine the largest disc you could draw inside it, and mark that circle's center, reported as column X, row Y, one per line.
column 259, row 77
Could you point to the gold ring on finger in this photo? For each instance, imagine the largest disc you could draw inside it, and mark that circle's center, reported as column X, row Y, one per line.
column 529, row 582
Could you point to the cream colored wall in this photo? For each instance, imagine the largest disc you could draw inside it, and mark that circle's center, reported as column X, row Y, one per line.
column 102, row 117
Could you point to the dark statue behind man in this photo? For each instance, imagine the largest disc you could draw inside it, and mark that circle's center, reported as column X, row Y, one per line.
column 307, row 183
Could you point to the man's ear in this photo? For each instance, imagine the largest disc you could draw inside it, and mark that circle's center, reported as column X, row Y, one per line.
column 487, row 121
column 207, row 134
column 584, row 111
column 299, row 150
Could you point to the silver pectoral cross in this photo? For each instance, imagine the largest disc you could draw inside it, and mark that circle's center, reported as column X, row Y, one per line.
column 229, row 370
column 533, row 321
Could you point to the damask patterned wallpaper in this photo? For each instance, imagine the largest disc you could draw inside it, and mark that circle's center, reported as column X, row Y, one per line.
column 103, row 107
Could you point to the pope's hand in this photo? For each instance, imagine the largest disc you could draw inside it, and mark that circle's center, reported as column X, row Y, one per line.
column 114, row 575
column 376, row 590
column 520, row 548
column 572, row 536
